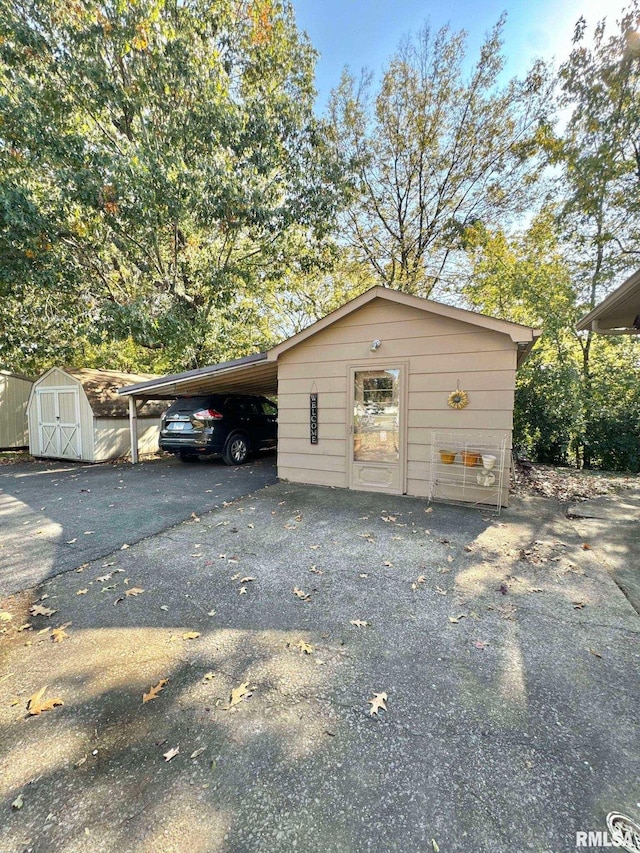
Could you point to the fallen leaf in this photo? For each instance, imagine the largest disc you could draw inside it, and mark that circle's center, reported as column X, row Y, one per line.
column 440, row 591
column 378, row 703
column 247, row 580
column 586, row 547
column 363, row 575
column 124, row 547
column 37, row 704
column 135, row 590
column 303, row 596
column 190, row 635
column 171, row 753
column 211, row 613
column 153, row 691
column 104, row 578
column 209, row 676
column 594, row 653
column 39, row 610
column 429, row 509
column 535, row 589
column 578, row 605
column 238, row 694
column 164, row 607
column 481, row 644
column 197, row 752
column 18, row 802
column 305, row 648
column 314, row 547
column 434, row 844
column 5, row 616
column 242, row 590
column 71, row 541
column 59, row 634
column 449, row 559
column 388, row 564
column 456, row 619
column 82, row 591
column 316, row 571
column 359, row 623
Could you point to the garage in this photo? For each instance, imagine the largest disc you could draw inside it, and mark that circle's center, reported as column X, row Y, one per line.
column 78, row 415
column 389, row 393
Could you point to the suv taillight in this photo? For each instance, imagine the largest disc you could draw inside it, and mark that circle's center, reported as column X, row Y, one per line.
column 207, row 415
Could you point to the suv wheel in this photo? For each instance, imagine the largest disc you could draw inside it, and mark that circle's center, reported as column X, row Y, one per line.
column 188, row 457
column 236, row 450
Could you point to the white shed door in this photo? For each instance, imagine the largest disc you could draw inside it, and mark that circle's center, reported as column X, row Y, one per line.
column 59, row 420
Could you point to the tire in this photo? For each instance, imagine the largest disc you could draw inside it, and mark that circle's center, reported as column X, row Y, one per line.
column 188, row 457
column 236, row 450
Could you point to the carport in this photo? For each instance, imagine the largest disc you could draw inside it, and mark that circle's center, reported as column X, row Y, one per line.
column 619, row 313
column 253, row 374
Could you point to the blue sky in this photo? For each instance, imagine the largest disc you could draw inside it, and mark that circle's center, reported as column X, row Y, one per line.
column 361, row 33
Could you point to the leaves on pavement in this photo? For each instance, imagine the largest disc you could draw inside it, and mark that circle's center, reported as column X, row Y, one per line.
column 59, row 634
column 82, row 591
column 41, row 610
column 378, row 703
column 238, row 694
column 5, row 616
column 455, row 619
column 359, row 623
column 17, row 803
column 171, row 753
column 191, row 635
column 37, row 703
column 303, row 596
column 305, row 648
column 153, row 691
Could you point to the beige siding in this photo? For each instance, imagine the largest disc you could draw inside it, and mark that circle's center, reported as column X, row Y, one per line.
column 14, row 395
column 440, row 354
column 112, row 438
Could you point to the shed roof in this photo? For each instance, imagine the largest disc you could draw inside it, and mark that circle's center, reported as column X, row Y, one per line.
column 15, row 375
column 101, row 388
column 619, row 312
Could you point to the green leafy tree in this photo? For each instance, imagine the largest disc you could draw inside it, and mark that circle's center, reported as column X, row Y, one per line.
column 434, row 151
column 528, row 279
column 161, row 154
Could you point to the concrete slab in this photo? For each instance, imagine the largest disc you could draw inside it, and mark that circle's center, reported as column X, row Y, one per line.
column 610, row 525
column 508, row 656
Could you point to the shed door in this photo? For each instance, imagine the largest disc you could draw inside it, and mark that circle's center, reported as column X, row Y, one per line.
column 377, row 448
column 59, row 420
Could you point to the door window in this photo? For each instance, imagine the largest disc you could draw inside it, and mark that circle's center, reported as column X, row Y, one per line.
column 376, row 416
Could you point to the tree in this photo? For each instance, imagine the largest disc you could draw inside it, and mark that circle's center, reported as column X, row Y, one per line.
column 598, row 154
column 528, row 279
column 433, row 153
column 162, row 152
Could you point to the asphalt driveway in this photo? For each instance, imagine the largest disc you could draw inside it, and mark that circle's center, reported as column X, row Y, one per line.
column 55, row 516
column 263, row 634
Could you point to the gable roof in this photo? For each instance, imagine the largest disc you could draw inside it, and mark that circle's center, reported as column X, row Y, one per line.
column 524, row 336
column 258, row 373
column 101, row 389
column 619, row 312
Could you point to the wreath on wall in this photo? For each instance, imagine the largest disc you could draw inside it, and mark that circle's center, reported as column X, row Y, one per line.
column 458, row 399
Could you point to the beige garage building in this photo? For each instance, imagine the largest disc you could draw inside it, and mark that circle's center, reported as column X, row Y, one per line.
column 78, row 415
column 389, row 393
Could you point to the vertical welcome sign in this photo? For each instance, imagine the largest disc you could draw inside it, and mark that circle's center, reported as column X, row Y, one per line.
column 313, row 418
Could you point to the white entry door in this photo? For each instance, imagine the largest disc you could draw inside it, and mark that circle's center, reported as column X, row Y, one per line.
column 377, row 453
column 59, row 419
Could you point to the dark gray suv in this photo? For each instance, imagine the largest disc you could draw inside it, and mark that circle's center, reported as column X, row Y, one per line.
column 227, row 425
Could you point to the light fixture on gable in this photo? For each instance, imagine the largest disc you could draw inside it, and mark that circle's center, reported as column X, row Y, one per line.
column 375, row 345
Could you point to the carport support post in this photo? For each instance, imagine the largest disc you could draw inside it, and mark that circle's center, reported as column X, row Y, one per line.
column 133, row 429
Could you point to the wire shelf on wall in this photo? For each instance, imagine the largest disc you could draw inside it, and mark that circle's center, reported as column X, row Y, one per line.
column 468, row 469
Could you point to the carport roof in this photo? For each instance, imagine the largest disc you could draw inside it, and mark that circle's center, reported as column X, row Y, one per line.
column 253, row 374
column 619, row 313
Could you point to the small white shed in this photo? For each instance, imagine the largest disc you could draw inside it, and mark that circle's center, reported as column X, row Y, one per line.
column 77, row 414
column 14, row 395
